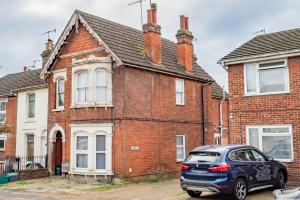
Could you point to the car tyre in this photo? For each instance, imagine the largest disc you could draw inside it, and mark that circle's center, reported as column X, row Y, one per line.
column 240, row 189
column 194, row 193
column 280, row 181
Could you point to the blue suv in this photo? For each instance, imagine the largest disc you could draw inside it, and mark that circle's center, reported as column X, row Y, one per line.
column 233, row 169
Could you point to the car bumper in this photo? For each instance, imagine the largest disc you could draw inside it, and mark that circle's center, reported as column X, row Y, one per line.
column 205, row 186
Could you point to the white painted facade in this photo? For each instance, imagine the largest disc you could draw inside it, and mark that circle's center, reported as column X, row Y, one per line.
column 36, row 126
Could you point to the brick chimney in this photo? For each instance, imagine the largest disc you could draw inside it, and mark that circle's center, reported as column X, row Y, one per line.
column 48, row 48
column 152, row 36
column 185, row 44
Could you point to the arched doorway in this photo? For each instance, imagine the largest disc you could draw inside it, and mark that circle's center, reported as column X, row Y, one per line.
column 57, row 153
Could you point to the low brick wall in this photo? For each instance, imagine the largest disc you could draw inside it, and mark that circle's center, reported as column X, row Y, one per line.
column 32, row 174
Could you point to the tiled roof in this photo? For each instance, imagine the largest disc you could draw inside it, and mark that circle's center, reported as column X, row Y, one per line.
column 127, row 43
column 217, row 91
column 21, row 80
column 282, row 41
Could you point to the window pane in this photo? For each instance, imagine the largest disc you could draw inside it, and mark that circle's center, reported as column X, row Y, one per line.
column 243, row 155
column 253, row 137
column 179, row 98
column 101, row 94
column 180, row 153
column 257, row 156
column 30, row 147
column 82, row 93
column 251, row 78
column 81, row 160
column 179, row 85
column 273, row 80
column 279, row 147
column 82, row 143
column 31, row 105
column 1, row 144
column 179, row 140
column 100, row 143
column 276, row 130
column 60, row 86
column 100, row 161
column 82, row 80
column 61, row 99
column 101, row 78
column 2, row 106
column 2, row 117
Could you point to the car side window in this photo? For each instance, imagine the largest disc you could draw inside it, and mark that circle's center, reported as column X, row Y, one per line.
column 257, row 156
column 240, row 155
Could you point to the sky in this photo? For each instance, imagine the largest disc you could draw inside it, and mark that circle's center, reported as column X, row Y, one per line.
column 219, row 26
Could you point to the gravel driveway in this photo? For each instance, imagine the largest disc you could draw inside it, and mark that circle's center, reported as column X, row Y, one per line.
column 58, row 188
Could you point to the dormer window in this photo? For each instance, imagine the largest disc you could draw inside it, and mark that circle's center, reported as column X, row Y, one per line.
column 2, row 111
column 266, row 78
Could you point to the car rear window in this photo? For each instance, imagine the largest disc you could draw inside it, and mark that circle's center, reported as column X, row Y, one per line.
column 210, row 157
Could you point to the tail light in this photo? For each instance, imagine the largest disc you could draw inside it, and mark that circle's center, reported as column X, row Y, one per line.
column 184, row 167
column 222, row 168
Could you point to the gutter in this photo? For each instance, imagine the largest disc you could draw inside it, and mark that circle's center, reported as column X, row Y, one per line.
column 30, row 88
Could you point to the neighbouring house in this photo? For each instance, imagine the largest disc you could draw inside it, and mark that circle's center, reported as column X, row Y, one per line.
column 126, row 102
column 24, row 100
column 264, row 91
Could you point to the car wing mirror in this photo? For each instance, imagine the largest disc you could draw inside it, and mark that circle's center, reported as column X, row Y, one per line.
column 270, row 158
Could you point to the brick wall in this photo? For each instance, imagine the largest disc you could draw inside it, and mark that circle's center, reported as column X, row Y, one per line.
column 11, row 120
column 266, row 109
column 144, row 113
column 32, row 174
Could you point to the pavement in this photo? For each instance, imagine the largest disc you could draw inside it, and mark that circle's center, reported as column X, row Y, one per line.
column 58, row 188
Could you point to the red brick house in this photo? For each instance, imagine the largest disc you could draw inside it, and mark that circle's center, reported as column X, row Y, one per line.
column 264, row 90
column 126, row 102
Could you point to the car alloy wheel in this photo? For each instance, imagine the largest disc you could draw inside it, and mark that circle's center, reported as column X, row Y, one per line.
column 280, row 180
column 240, row 189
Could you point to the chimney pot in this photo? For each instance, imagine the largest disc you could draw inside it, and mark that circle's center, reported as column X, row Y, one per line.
column 182, row 22
column 187, row 23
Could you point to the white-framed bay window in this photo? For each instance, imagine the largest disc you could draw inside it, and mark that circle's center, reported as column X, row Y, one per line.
column 179, row 91
column 91, row 151
column 82, row 87
column 273, row 140
column 266, row 78
column 180, row 148
column 60, row 91
column 2, row 111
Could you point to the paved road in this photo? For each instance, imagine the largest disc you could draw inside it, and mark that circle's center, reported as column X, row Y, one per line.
column 165, row 190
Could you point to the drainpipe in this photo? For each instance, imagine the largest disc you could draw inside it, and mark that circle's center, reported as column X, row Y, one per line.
column 202, row 113
column 221, row 116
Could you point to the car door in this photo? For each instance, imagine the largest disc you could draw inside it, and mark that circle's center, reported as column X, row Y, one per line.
column 261, row 167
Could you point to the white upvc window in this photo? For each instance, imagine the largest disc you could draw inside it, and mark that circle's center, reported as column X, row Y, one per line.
column 273, row 140
column 266, row 78
column 31, row 105
column 180, row 148
column 101, row 86
column 100, row 152
column 82, row 148
column 179, row 91
column 60, row 91
column 82, row 87
column 2, row 111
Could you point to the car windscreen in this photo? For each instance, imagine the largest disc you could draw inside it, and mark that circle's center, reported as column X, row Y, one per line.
column 203, row 157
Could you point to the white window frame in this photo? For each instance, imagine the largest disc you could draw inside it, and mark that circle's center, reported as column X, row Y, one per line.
column 285, row 65
column 261, row 134
column 182, row 92
column 57, row 94
column 106, row 87
column 27, row 113
column 87, row 88
column 3, row 112
column 86, row 152
column 105, row 152
column 180, row 146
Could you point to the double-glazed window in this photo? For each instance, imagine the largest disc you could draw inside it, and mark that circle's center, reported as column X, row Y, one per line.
column 2, row 111
column 82, row 87
column 266, row 78
column 179, row 92
column 101, row 86
column 180, row 148
column 275, row 141
column 60, row 91
column 85, row 152
column 31, row 106
column 2, row 144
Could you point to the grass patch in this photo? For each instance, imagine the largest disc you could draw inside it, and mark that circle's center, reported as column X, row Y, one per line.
column 3, row 184
column 180, row 193
column 22, row 183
